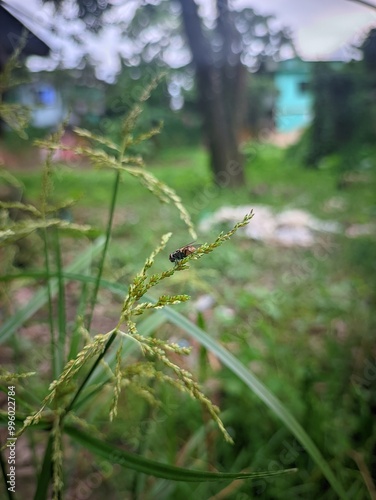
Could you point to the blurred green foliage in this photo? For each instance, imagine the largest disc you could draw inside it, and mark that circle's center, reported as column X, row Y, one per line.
column 180, row 127
column 261, row 98
column 342, row 133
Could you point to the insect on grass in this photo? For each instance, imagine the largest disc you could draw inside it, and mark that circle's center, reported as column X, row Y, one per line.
column 182, row 252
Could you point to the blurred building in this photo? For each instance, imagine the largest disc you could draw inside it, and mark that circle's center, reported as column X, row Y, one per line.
column 42, row 99
column 293, row 103
column 292, row 97
column 12, row 33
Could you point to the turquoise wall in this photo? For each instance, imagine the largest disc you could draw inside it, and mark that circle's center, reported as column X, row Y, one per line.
column 294, row 100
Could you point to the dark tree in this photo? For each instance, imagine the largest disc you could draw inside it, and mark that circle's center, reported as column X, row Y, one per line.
column 368, row 49
column 344, row 109
column 220, row 56
column 219, row 76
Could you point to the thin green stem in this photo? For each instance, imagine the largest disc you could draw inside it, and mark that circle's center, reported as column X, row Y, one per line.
column 76, row 336
column 105, row 248
column 61, row 305
column 50, row 306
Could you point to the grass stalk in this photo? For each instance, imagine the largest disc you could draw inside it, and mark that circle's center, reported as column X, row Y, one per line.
column 53, row 343
column 104, row 251
column 61, row 309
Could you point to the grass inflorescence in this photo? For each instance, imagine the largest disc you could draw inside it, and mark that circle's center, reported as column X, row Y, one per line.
column 64, row 391
column 152, row 348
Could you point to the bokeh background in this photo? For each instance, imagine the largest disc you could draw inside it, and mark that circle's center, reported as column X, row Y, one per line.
column 263, row 106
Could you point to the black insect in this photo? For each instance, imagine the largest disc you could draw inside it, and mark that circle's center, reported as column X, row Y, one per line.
column 182, row 253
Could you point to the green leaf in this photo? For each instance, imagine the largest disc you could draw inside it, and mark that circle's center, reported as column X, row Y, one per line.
column 135, row 462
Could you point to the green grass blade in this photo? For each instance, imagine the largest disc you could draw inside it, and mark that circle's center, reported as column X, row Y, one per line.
column 41, row 297
column 153, row 468
column 257, row 387
column 4, row 469
column 45, row 475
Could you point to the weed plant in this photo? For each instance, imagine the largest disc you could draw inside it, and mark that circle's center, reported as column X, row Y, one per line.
column 75, row 353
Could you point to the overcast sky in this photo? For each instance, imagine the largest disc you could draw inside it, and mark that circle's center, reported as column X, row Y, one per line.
column 321, row 29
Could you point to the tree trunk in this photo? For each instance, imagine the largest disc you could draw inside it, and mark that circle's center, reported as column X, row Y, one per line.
column 217, row 84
